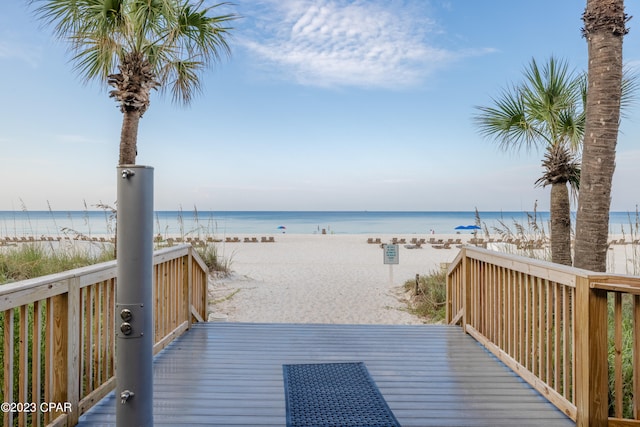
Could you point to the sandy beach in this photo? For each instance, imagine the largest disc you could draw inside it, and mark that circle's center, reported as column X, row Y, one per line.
column 331, row 278
column 319, row 279
column 337, row 279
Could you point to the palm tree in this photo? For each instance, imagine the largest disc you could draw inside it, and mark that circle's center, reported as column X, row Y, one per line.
column 545, row 111
column 604, row 29
column 139, row 45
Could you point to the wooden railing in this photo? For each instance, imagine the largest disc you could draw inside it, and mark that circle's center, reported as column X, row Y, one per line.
column 58, row 337
column 555, row 326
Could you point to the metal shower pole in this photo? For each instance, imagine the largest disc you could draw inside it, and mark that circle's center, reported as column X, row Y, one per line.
column 134, row 297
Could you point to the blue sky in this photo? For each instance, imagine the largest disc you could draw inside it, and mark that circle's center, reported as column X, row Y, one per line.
column 323, row 105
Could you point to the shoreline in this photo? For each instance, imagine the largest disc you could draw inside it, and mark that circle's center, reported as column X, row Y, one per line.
column 227, row 223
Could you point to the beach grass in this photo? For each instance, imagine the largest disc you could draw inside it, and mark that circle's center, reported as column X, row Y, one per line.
column 35, row 259
column 429, row 296
column 217, row 264
column 530, row 238
column 75, row 249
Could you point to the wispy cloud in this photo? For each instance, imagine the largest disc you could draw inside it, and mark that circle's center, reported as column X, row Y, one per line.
column 19, row 51
column 76, row 139
column 372, row 43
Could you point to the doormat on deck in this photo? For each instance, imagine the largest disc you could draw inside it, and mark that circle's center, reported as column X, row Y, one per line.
column 332, row 395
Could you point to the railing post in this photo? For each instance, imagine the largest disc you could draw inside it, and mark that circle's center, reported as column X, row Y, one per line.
column 636, row 357
column 449, row 295
column 73, row 350
column 591, row 394
column 466, row 290
column 188, row 284
column 59, row 348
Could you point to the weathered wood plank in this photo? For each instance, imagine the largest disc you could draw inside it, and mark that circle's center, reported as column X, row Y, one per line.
column 231, row 374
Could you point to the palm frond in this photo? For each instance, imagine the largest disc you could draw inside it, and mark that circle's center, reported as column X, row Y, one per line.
column 178, row 38
column 507, row 121
column 551, row 94
column 630, row 86
column 98, row 58
column 181, row 78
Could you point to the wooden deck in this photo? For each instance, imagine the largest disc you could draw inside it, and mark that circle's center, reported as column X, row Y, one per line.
column 230, row 374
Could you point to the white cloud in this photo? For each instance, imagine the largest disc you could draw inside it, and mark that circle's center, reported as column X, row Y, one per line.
column 350, row 43
column 19, row 51
column 76, row 139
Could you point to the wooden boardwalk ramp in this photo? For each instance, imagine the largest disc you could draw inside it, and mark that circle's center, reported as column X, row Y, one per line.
column 230, row 374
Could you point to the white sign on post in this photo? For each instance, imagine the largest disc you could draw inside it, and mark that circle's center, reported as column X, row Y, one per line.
column 391, row 254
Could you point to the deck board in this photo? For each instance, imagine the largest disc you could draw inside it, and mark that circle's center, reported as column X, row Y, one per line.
column 230, row 374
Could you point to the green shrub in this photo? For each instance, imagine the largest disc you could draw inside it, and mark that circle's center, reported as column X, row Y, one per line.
column 216, row 263
column 429, row 296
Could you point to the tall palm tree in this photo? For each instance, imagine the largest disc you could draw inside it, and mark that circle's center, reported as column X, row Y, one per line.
column 139, row 45
column 545, row 111
column 604, row 29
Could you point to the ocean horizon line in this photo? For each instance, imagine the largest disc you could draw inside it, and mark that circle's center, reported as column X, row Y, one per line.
column 27, row 211
column 89, row 222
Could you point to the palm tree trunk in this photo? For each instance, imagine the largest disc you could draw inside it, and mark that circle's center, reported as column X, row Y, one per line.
column 129, row 137
column 604, row 30
column 560, row 213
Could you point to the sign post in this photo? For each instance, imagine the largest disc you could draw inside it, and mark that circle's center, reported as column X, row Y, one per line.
column 391, row 257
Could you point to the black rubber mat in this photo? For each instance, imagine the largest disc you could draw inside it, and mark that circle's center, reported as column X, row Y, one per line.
column 334, row 394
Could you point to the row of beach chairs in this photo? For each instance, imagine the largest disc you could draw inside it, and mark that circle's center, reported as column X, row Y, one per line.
column 416, row 243
column 263, row 239
column 625, row 242
column 33, row 239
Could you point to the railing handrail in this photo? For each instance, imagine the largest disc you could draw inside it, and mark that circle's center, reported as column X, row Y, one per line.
column 71, row 315
column 50, row 279
column 523, row 264
column 549, row 323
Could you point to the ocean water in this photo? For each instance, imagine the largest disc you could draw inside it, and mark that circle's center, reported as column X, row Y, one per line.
column 54, row 223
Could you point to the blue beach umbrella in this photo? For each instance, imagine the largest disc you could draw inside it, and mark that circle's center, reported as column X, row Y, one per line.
column 467, row 227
